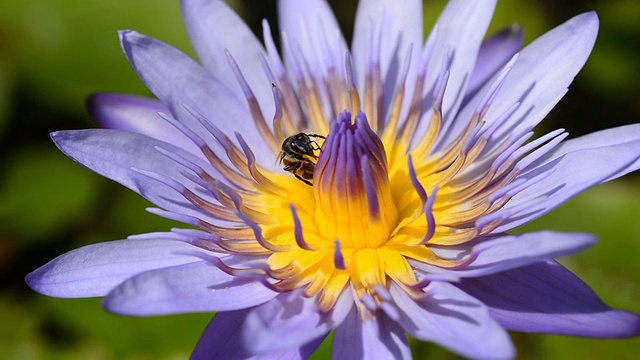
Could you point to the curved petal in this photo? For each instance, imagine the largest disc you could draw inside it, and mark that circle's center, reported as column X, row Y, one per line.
column 310, row 29
column 213, row 29
column 114, row 154
column 603, row 138
column 453, row 319
column 513, row 251
column 402, row 26
column 547, row 298
column 571, row 174
column 461, row 29
column 222, row 340
column 494, row 54
column 289, row 321
column 177, row 81
column 188, row 288
column 139, row 115
column 543, row 71
column 95, row 270
column 379, row 338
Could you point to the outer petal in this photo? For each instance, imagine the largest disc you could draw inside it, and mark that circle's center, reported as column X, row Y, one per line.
column 222, row 340
column 494, row 54
column 303, row 23
column 571, row 174
column 603, row 138
column 461, row 29
column 402, row 26
column 95, row 270
column 214, row 28
column 381, row 338
column 453, row 319
column 513, row 251
column 177, row 80
column 188, row 288
column 542, row 72
column 310, row 29
column 547, row 298
column 289, row 321
column 139, row 115
column 113, row 154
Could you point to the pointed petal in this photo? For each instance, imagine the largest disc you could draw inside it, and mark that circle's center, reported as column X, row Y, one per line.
column 177, row 80
column 113, row 154
column 542, row 72
column 311, row 25
column 603, row 138
column 402, row 26
column 453, row 319
column 547, row 298
column 379, row 338
column 510, row 252
column 513, row 251
column 571, row 174
column 214, row 27
column 493, row 55
column 461, row 29
column 188, row 288
column 222, row 340
column 291, row 320
column 95, row 270
column 139, row 115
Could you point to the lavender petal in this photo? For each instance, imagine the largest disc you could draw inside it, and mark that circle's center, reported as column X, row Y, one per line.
column 139, row 115
column 177, row 81
column 188, row 288
column 114, row 154
column 214, row 27
column 95, row 270
column 222, row 340
column 511, row 251
column 379, row 338
column 542, row 73
column 402, row 26
column 547, row 298
column 493, row 55
column 571, row 174
column 461, row 29
column 603, row 138
column 291, row 320
column 305, row 24
column 454, row 320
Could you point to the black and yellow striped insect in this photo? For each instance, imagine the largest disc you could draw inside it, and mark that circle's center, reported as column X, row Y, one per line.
column 298, row 155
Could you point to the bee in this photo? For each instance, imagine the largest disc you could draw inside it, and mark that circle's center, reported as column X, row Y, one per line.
column 298, row 156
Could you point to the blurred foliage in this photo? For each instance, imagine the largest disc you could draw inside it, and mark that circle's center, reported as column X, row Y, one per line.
column 68, row 189
column 53, row 54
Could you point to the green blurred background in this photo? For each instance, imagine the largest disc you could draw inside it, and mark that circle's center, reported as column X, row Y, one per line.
column 53, row 54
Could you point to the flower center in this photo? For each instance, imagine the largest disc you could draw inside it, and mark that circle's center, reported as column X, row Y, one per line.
column 371, row 215
column 352, row 195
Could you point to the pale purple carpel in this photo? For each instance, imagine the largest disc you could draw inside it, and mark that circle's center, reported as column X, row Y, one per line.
column 429, row 160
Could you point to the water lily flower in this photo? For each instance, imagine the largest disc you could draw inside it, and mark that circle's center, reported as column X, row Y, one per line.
column 390, row 215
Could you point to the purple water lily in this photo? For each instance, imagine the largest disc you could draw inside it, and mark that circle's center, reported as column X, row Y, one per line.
column 388, row 215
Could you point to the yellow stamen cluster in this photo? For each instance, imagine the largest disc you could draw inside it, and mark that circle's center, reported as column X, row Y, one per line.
column 377, row 203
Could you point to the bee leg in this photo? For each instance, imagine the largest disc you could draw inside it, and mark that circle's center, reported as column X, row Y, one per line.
column 303, row 180
column 291, row 167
